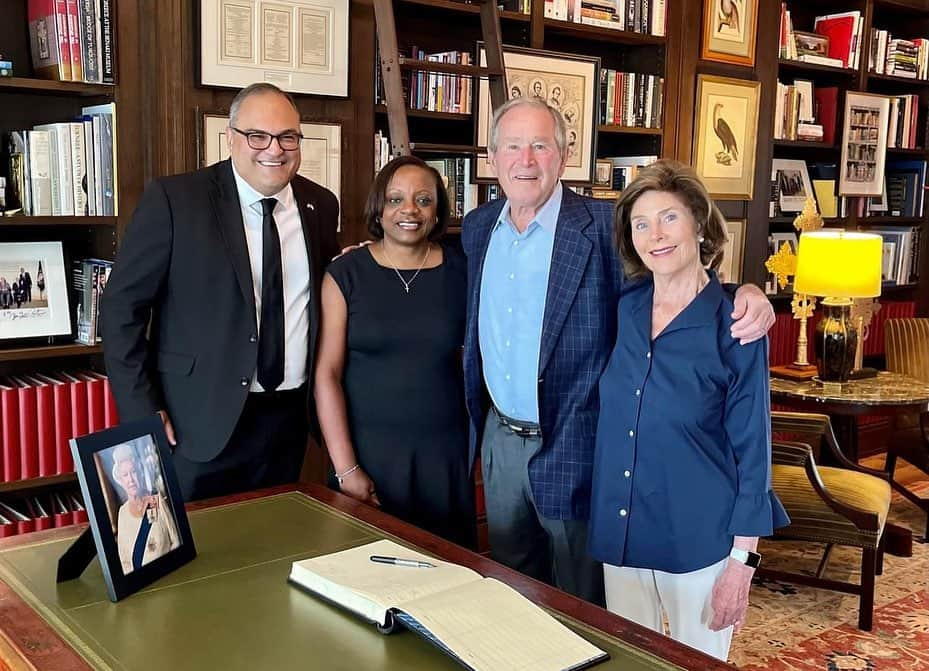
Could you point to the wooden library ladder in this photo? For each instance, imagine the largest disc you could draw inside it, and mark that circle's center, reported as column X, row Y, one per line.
column 392, row 62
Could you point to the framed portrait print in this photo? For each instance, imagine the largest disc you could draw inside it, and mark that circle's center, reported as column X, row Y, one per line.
column 729, row 29
column 299, row 45
column 793, row 183
column 320, row 149
column 864, row 144
column 603, row 177
column 33, row 291
column 568, row 82
column 134, row 504
column 730, row 267
column 726, row 130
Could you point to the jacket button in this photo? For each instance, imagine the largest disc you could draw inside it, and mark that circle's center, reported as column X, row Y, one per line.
column 244, row 381
column 253, row 338
column 622, row 512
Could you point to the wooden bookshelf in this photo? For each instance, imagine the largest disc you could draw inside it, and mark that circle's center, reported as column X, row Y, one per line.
column 33, row 484
column 48, row 352
column 58, row 221
column 53, row 87
column 627, row 130
column 598, row 33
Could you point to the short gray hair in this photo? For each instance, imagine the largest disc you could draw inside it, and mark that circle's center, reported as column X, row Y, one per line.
column 121, row 453
column 561, row 134
column 258, row 88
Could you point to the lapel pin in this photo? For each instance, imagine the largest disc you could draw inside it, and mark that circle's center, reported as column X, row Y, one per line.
column 311, row 206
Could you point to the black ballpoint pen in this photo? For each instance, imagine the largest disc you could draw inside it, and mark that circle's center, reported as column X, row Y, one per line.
column 396, row 561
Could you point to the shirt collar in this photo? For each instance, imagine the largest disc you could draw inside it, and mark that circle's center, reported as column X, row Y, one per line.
column 702, row 310
column 251, row 198
column 547, row 216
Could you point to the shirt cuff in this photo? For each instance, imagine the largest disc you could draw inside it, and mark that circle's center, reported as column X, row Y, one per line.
column 757, row 515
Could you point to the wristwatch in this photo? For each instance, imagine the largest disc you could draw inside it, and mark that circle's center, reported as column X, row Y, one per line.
column 747, row 557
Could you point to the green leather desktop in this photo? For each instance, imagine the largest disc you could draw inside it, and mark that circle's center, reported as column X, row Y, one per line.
column 232, row 608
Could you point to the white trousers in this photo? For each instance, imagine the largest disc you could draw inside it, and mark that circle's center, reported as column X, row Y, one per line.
column 641, row 595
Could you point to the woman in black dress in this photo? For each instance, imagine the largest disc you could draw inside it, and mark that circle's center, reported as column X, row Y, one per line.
column 388, row 383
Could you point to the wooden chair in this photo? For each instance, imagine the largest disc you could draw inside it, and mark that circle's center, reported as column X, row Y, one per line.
column 907, row 344
column 845, row 505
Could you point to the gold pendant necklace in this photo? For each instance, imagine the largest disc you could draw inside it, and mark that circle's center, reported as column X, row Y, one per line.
column 406, row 285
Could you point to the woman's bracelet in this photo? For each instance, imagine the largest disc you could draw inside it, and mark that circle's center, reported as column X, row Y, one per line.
column 341, row 476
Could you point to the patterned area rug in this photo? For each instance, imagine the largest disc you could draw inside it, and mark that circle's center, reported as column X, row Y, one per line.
column 798, row 628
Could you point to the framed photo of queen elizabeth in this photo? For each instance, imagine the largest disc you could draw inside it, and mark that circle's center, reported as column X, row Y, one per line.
column 134, row 504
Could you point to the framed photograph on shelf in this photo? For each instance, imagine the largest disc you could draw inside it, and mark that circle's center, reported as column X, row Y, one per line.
column 568, row 82
column 729, row 30
column 320, row 149
column 793, row 183
column 811, row 44
column 301, row 46
column 33, row 291
column 134, row 504
column 730, row 267
column 864, row 144
column 726, row 130
column 603, row 177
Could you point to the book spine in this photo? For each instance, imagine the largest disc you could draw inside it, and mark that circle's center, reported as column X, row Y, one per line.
column 107, row 42
column 74, row 41
column 89, row 46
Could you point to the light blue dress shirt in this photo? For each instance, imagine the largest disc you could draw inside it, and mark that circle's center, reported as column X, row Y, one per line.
column 514, row 285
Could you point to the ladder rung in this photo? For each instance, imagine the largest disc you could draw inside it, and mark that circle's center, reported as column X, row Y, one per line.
column 453, row 68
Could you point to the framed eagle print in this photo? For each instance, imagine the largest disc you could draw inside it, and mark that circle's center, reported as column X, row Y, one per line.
column 726, row 130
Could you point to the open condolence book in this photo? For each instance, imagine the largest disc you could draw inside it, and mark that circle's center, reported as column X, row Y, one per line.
column 482, row 623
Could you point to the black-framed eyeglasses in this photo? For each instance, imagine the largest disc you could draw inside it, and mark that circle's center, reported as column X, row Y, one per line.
column 259, row 140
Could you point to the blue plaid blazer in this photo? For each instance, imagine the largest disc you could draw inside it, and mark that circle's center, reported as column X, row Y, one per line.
column 578, row 334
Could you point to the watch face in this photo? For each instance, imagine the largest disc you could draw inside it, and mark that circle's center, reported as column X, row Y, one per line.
column 753, row 560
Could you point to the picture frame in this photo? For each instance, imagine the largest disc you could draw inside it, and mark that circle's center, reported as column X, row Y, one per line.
column 730, row 267
column 42, row 308
column 807, row 111
column 603, row 174
column 302, row 46
column 320, row 149
column 864, row 144
column 793, row 183
column 724, row 153
column 120, row 470
column 729, row 31
column 545, row 72
column 811, row 44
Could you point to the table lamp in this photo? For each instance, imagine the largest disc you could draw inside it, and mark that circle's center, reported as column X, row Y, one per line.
column 839, row 266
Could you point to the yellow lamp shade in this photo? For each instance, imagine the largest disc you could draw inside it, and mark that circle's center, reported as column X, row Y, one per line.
column 839, row 264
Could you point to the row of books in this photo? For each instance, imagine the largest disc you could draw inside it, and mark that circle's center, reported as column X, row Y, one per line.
column 904, row 111
column 67, row 168
column 638, row 16
column 88, row 278
column 899, row 57
column 900, row 254
column 40, row 413
column 462, row 192
column 840, row 48
column 434, row 91
column 37, row 513
column 631, row 98
column 73, row 40
column 803, row 111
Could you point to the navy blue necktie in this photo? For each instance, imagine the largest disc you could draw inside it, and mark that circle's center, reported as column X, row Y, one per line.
column 271, row 328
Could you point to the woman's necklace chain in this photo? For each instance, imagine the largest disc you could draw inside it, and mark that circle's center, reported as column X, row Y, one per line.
column 406, row 285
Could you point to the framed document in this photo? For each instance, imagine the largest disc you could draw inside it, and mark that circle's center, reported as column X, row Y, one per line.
column 299, row 45
column 320, row 150
column 864, row 144
column 569, row 83
column 33, row 290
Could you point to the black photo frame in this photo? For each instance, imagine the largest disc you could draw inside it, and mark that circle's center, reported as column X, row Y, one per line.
column 138, row 524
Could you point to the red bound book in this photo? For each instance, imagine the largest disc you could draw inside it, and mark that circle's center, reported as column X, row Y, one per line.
column 28, row 430
column 827, row 100
column 61, row 401
column 7, row 527
column 78, row 389
column 61, row 515
column 48, row 37
column 96, row 412
column 45, row 421
column 9, row 426
column 24, row 524
column 42, row 519
column 840, row 29
column 78, row 512
column 110, row 413
column 74, row 41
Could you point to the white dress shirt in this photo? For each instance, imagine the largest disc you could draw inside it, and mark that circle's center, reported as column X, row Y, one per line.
column 296, row 269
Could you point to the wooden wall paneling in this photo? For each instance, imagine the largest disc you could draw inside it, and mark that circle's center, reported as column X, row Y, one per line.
column 684, row 17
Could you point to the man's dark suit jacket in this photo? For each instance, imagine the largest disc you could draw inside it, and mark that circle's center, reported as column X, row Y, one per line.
column 184, row 262
column 578, row 334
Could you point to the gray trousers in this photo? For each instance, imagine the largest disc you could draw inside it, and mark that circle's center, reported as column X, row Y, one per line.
column 553, row 551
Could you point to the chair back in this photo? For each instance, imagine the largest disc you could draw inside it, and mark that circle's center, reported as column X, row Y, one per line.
column 907, row 345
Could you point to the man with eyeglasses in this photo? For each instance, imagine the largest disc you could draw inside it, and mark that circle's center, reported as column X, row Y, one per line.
column 211, row 314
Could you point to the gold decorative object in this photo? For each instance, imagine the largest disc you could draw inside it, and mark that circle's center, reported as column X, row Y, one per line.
column 782, row 265
column 863, row 310
column 809, row 219
column 802, row 307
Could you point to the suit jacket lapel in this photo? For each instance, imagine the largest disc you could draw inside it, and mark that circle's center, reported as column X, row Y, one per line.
column 569, row 258
column 228, row 211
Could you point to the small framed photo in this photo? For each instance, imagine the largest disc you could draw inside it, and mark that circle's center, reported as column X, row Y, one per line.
column 807, row 100
column 793, row 183
column 603, row 177
column 729, row 30
column 730, row 267
column 811, row 44
column 33, row 291
column 134, row 504
column 864, row 144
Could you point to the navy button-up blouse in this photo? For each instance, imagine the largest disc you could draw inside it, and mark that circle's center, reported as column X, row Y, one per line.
column 683, row 457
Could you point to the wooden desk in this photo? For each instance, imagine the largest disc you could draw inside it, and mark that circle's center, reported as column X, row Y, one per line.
column 231, row 608
column 887, row 394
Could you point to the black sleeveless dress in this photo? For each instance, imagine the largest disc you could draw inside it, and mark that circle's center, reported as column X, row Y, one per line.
column 404, row 389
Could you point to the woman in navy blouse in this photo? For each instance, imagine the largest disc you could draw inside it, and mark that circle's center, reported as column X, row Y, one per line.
column 682, row 475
